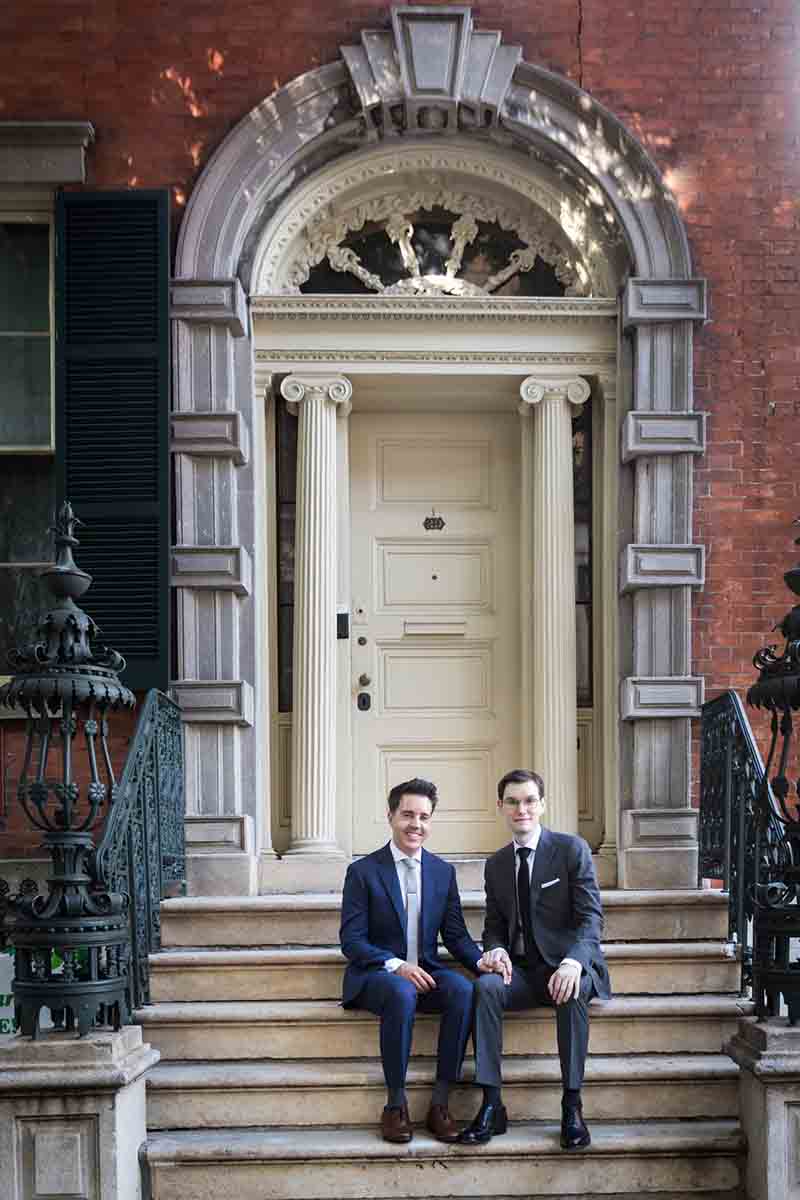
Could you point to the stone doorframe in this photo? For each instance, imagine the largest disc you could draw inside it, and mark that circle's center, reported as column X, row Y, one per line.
column 480, row 91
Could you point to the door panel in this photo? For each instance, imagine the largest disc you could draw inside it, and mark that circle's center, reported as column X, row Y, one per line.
column 437, row 609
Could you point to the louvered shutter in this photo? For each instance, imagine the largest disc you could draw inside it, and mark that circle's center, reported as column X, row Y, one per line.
column 112, row 413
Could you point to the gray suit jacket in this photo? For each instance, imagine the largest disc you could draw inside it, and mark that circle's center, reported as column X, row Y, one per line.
column 566, row 913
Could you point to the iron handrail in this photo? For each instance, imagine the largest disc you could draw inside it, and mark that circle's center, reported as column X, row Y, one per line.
column 141, row 852
column 732, row 778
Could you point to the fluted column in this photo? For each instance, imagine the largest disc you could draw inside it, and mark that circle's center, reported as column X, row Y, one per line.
column 316, row 400
column 548, row 401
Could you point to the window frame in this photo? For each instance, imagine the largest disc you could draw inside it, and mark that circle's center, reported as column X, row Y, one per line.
column 12, row 212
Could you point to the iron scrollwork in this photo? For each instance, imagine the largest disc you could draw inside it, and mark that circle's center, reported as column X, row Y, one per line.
column 777, row 841
column 82, row 948
column 731, row 780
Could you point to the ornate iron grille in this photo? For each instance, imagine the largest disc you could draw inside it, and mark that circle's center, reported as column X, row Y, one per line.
column 142, row 851
column 731, row 779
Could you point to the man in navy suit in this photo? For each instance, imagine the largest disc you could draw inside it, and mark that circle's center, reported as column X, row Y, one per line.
column 542, row 939
column 396, row 903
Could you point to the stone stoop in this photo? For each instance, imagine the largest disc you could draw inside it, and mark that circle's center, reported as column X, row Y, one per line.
column 267, row 1087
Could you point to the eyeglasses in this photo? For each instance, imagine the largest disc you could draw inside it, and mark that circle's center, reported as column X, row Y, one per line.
column 528, row 802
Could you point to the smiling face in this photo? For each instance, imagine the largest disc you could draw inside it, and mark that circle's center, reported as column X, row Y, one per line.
column 410, row 822
column 522, row 808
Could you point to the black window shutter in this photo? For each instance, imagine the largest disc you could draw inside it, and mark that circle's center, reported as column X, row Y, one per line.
column 112, row 413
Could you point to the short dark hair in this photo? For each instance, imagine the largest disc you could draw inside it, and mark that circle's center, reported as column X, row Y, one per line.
column 413, row 787
column 519, row 775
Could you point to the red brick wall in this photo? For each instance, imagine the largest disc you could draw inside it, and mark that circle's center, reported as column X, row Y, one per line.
column 711, row 88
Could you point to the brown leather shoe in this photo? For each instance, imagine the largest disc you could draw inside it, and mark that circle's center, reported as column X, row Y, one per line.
column 395, row 1125
column 441, row 1124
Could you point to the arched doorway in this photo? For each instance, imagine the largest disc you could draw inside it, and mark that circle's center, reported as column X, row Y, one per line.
column 480, row 137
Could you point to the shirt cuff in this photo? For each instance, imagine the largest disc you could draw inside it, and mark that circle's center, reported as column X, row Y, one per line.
column 571, row 962
column 392, row 964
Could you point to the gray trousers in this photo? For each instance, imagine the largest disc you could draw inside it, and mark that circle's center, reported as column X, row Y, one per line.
column 528, row 989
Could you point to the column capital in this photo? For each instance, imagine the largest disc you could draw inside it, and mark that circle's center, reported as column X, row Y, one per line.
column 536, row 388
column 337, row 389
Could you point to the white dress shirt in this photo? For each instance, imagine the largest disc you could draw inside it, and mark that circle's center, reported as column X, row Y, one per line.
column 399, row 857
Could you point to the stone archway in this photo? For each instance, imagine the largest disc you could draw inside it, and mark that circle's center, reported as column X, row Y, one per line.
column 384, row 92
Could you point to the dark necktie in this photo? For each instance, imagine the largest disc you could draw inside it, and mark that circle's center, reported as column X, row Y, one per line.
column 524, row 894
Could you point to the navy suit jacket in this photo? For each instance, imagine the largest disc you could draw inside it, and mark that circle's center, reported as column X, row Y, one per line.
column 374, row 918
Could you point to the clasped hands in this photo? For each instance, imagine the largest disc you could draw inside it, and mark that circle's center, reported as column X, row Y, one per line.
column 563, row 985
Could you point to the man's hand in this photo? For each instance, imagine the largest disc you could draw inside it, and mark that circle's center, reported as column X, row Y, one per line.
column 421, row 980
column 496, row 961
column 565, row 983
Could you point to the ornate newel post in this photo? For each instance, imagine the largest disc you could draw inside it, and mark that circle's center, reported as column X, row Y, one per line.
column 547, row 407
column 72, row 945
column 317, row 400
column 768, row 1049
column 72, row 1110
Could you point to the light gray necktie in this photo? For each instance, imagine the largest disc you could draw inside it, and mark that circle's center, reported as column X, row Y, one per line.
column 412, row 912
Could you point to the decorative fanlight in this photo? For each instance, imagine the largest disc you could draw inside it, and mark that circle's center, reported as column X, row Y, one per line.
column 433, row 244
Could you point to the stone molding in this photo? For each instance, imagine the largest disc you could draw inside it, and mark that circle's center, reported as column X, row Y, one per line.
column 769, row 1049
column 221, row 434
column 417, row 172
column 513, row 359
column 218, row 701
column 659, row 300
column 650, row 827
column 664, row 696
column 210, row 301
column 466, row 84
column 663, row 433
column 429, row 308
column 220, row 855
column 649, row 566
column 44, row 152
column 224, row 568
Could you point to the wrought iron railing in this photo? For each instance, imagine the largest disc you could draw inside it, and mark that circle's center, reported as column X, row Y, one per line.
column 733, row 786
column 731, row 779
column 141, row 853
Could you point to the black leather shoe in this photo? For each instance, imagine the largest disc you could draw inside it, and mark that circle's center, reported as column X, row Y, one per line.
column 574, row 1132
column 490, row 1121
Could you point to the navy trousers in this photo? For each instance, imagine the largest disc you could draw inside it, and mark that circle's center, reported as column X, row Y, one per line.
column 396, row 1001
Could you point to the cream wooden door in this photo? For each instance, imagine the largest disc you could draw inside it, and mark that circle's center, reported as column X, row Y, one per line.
column 435, row 617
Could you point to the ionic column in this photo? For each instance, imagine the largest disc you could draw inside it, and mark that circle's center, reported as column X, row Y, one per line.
column 316, row 400
column 547, row 405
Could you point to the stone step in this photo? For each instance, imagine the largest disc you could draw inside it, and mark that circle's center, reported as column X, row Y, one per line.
column 638, row 968
column 320, row 1029
column 202, row 1095
column 667, row 1159
column 313, row 919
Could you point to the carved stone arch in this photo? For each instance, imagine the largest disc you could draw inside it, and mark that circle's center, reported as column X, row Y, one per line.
column 384, row 93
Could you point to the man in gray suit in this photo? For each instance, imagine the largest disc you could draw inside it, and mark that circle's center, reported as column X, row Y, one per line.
column 541, row 938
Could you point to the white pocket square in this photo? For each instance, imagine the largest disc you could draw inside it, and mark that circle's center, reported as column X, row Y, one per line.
column 550, row 883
